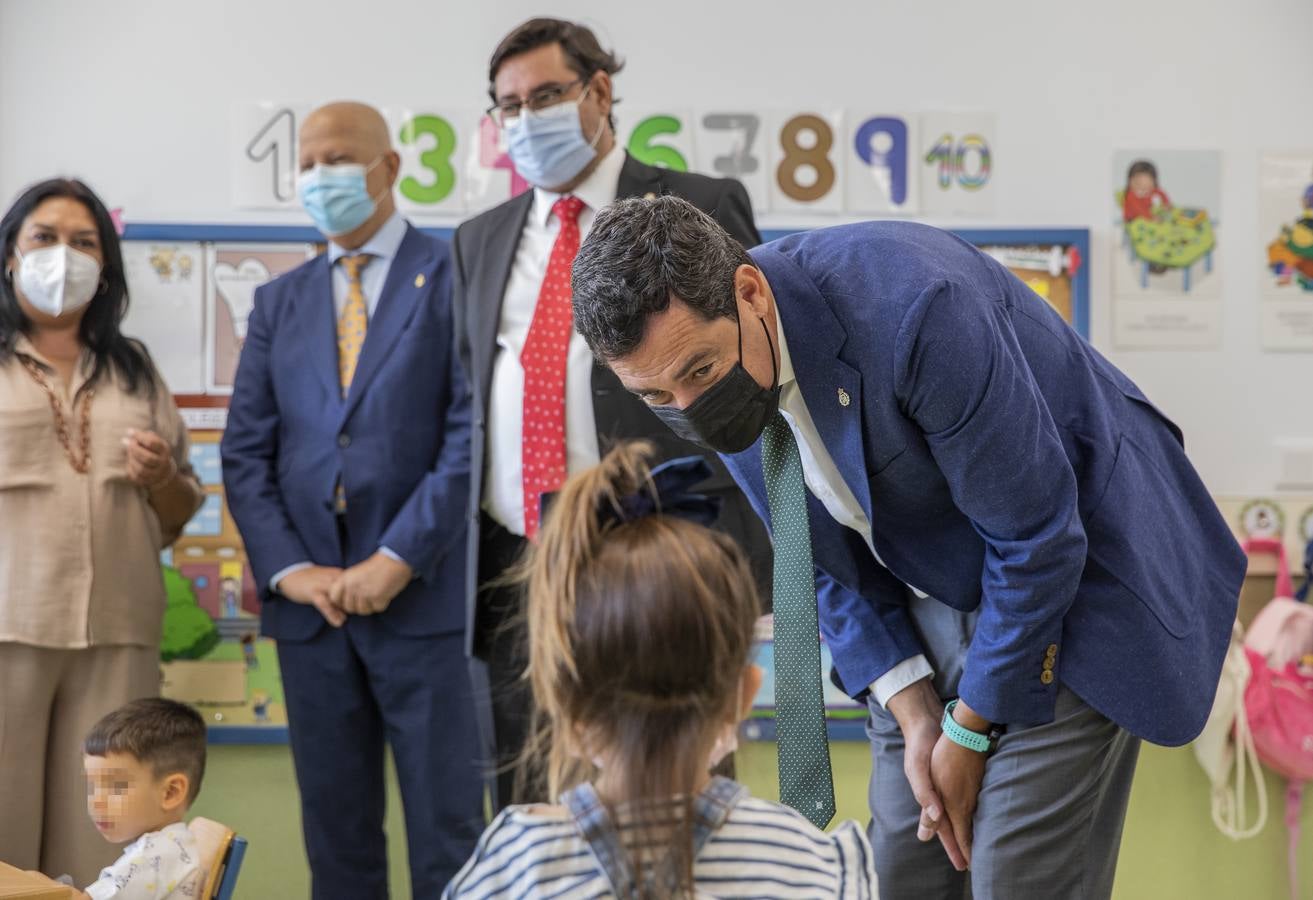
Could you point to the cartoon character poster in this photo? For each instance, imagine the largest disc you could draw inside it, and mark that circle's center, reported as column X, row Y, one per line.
column 214, row 656
column 166, row 285
column 1285, row 230
column 1166, row 283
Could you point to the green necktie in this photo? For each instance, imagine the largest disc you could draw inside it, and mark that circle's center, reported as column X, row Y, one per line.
column 806, row 782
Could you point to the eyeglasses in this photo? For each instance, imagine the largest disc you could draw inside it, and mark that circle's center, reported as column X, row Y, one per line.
column 508, row 112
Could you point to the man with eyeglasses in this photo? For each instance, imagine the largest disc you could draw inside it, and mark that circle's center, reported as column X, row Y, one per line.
column 542, row 408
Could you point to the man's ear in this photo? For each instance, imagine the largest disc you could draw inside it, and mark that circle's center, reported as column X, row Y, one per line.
column 392, row 159
column 601, row 86
column 750, row 287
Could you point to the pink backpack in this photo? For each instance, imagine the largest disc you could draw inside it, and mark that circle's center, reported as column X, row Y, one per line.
column 1279, row 697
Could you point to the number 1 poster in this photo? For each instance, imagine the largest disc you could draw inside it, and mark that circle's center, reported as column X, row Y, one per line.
column 263, row 154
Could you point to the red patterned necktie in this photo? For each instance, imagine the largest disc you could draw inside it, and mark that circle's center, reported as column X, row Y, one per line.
column 542, row 442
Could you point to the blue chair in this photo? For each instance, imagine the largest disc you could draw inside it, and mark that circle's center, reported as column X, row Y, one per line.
column 232, row 865
column 222, row 851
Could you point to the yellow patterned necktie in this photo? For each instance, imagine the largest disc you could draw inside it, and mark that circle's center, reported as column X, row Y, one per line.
column 354, row 320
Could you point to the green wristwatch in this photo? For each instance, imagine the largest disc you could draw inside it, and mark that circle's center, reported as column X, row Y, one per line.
column 965, row 737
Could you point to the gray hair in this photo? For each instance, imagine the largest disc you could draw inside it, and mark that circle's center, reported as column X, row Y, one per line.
column 639, row 255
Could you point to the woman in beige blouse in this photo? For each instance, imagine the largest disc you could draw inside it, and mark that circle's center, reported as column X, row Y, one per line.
column 94, row 482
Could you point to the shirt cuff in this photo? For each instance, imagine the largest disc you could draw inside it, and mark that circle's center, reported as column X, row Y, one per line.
column 103, row 889
column 392, row 554
column 283, row 573
column 901, row 676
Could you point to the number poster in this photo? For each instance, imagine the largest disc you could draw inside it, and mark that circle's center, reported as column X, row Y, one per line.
column 817, row 161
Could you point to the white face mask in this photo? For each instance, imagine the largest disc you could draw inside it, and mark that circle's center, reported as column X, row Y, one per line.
column 58, row 280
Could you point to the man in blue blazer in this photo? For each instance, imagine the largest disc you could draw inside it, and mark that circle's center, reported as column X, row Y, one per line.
column 992, row 513
column 346, row 467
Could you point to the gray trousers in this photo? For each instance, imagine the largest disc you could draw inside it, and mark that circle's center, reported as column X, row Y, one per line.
column 1049, row 817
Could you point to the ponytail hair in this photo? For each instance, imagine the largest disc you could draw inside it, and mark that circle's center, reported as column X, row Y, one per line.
column 640, row 628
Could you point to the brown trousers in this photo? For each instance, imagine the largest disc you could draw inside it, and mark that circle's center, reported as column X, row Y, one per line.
column 49, row 699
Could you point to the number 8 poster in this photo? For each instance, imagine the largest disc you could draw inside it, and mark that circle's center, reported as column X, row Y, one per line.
column 807, row 161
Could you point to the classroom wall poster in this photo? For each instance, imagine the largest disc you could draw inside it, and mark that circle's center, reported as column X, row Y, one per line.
column 957, row 163
column 1285, row 231
column 1049, row 269
column 166, row 308
column 808, row 160
column 1166, row 285
column 264, row 162
column 233, row 272
column 232, row 677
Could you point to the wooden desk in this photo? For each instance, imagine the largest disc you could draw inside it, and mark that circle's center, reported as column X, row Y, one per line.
column 15, row 884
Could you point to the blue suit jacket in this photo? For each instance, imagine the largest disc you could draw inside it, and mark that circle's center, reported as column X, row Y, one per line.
column 1003, row 464
column 399, row 442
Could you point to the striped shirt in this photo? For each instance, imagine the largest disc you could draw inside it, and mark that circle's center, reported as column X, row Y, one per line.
column 762, row 850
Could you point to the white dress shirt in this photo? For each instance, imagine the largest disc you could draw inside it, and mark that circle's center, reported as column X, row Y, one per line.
column 503, row 479
column 383, row 247
column 827, row 485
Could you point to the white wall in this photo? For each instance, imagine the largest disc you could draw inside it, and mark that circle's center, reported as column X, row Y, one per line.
column 135, row 95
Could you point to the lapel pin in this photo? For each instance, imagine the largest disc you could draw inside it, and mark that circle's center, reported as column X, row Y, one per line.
column 419, row 280
column 844, row 399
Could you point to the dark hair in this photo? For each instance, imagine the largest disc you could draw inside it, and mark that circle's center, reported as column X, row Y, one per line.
column 166, row 735
column 638, row 256
column 639, row 633
column 1141, row 167
column 99, row 330
column 583, row 53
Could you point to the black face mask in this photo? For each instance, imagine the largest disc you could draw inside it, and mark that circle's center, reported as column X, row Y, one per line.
column 732, row 413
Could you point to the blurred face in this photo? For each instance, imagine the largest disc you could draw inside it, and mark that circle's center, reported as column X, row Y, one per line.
column 1142, row 184
column 58, row 220
column 125, row 799
column 682, row 354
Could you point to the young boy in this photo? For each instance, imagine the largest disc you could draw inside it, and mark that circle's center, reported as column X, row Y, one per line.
column 144, row 764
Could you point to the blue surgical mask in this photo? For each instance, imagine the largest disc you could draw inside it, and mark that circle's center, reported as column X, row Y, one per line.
column 548, row 146
column 336, row 197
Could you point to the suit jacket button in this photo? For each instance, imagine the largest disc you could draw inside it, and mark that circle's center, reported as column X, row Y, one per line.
column 1048, row 664
column 1046, row 677
column 1052, row 651
column 344, row 441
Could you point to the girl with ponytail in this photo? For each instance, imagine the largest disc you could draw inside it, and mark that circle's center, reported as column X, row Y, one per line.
column 641, row 631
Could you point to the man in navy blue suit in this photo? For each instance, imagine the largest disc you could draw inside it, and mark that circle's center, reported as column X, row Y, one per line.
column 998, row 535
column 346, row 467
